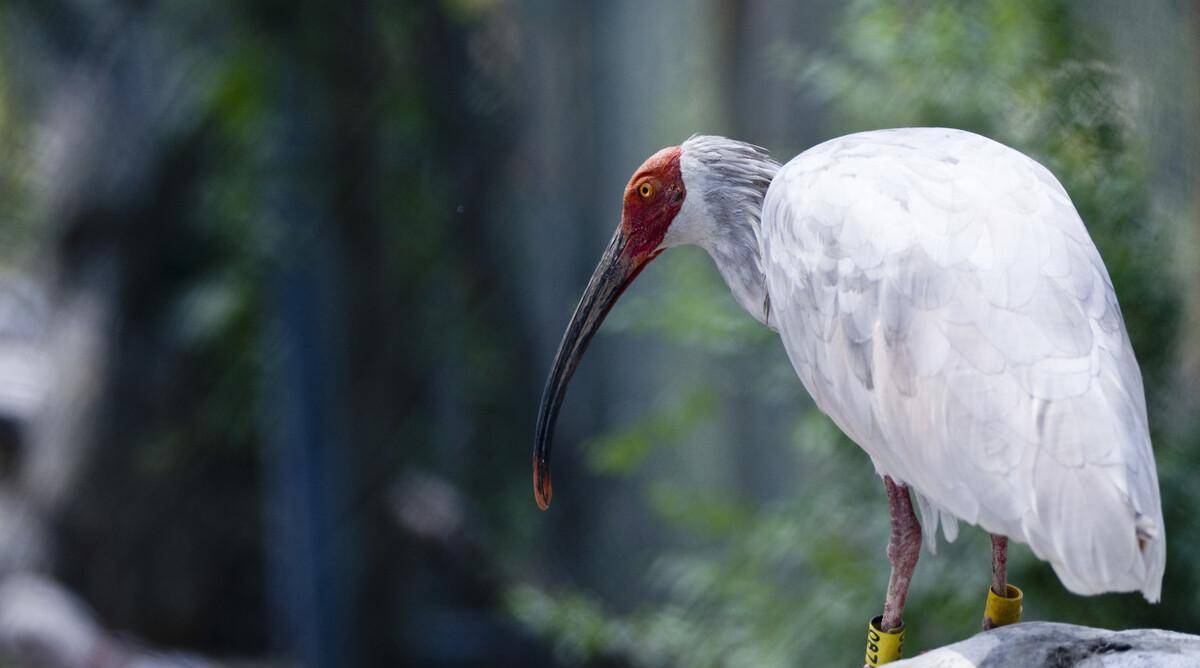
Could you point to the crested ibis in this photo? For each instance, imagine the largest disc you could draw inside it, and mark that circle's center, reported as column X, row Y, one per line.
column 939, row 297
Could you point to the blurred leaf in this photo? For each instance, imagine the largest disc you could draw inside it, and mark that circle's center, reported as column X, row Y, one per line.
column 706, row 512
column 624, row 449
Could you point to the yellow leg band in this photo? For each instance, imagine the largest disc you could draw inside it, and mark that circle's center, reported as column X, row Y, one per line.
column 1004, row 610
column 883, row 646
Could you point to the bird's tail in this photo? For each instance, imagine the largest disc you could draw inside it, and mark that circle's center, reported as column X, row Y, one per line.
column 1104, row 538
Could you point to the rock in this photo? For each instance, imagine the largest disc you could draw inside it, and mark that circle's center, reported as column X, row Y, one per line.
column 1050, row 645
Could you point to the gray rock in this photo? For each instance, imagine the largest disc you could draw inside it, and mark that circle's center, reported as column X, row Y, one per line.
column 1050, row 645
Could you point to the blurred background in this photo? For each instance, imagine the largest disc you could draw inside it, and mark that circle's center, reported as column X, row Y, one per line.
column 280, row 283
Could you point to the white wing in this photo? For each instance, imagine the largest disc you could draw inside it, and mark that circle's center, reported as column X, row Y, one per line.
column 943, row 303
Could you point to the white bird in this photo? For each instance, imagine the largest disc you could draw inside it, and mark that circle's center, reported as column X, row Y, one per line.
column 942, row 302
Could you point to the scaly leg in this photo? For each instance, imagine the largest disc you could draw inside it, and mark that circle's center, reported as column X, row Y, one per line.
column 1004, row 600
column 903, row 549
column 999, row 564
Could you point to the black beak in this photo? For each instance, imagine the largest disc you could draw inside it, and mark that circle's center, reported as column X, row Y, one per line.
column 612, row 275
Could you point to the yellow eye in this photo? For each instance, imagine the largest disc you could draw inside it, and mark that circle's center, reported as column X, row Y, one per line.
column 645, row 190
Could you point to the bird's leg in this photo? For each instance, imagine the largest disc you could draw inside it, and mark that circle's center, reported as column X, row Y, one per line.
column 885, row 633
column 904, row 547
column 999, row 564
column 1004, row 601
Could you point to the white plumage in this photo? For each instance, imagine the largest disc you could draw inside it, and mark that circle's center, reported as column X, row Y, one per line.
column 942, row 302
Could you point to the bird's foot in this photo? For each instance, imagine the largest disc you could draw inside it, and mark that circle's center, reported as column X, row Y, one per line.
column 883, row 646
column 1002, row 610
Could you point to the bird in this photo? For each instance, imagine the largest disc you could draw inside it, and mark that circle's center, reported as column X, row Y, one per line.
column 942, row 302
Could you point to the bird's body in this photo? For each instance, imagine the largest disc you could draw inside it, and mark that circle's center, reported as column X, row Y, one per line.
column 942, row 302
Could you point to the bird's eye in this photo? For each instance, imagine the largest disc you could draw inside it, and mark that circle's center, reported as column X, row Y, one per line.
column 645, row 190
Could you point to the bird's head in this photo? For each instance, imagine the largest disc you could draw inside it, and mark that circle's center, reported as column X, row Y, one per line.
column 653, row 198
column 675, row 197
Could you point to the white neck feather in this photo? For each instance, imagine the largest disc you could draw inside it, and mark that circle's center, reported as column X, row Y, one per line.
column 726, row 182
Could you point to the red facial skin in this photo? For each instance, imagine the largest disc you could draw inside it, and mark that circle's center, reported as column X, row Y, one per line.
column 646, row 217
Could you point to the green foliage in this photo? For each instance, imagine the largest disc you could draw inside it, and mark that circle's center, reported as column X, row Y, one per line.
column 793, row 580
column 16, row 228
column 623, row 450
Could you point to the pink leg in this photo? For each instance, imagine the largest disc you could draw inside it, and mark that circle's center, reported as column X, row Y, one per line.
column 1000, row 565
column 999, row 572
column 904, row 547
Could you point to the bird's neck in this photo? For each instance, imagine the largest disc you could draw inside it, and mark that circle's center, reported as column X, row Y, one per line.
column 727, row 182
column 737, row 253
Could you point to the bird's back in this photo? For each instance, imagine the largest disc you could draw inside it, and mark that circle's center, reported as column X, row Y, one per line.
column 943, row 303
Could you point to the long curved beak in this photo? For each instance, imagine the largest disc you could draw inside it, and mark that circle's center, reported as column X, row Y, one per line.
column 613, row 274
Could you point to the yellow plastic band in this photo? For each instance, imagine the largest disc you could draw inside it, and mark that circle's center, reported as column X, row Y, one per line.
column 1004, row 610
column 883, row 646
